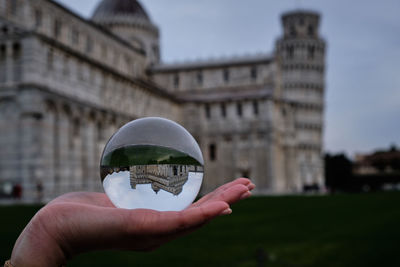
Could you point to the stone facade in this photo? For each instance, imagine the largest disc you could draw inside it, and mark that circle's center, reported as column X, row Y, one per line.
column 67, row 84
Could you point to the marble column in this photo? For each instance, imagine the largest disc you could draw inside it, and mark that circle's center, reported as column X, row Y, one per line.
column 9, row 141
column 87, row 150
column 9, row 62
column 3, row 9
column 104, row 132
column 93, row 164
column 30, row 150
column 63, row 147
column 98, row 149
column 48, row 157
column 76, row 151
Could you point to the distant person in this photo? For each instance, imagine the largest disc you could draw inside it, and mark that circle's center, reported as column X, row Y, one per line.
column 39, row 191
column 83, row 221
column 17, row 191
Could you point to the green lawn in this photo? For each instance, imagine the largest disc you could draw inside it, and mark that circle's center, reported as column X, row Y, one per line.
column 340, row 230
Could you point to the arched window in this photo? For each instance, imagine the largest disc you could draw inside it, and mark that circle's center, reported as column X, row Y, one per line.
column 4, row 30
column 116, row 58
column 74, row 36
column 223, row 110
column 57, row 28
column 176, row 80
column 301, row 21
column 311, row 52
column 50, row 59
column 208, row 111
column 79, row 70
column 16, row 57
column 13, row 7
column 104, row 51
column 226, row 75
column 100, row 132
column 156, row 51
column 253, row 73
column 89, row 45
column 290, row 52
column 199, row 78
column 212, row 152
column 66, row 65
column 38, row 18
column 283, row 112
column 16, row 50
column 239, row 109
column 76, row 127
column 2, row 62
column 2, row 51
column 310, row 30
column 255, row 107
column 292, row 31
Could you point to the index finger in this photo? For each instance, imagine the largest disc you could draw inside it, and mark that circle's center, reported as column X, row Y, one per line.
column 226, row 191
column 155, row 222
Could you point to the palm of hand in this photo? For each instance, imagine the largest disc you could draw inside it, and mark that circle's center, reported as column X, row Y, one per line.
column 83, row 221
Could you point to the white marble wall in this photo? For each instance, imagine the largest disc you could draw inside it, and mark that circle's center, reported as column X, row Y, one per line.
column 182, row 79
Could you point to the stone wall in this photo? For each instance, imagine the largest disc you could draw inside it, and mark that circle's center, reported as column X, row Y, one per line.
column 214, row 74
column 66, row 85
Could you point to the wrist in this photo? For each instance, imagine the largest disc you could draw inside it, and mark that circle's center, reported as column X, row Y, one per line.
column 36, row 246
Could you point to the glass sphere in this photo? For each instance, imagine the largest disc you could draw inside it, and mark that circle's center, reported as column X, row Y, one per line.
column 152, row 163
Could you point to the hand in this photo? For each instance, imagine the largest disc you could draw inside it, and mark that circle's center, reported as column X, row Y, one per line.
column 78, row 222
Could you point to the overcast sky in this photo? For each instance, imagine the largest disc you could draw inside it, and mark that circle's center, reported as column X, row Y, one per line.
column 363, row 60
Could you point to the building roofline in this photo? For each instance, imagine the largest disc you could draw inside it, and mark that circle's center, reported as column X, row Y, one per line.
column 155, row 88
column 213, row 63
column 96, row 26
column 300, row 11
column 138, row 81
column 228, row 94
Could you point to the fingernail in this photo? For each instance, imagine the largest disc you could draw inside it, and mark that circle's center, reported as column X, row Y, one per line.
column 227, row 211
column 245, row 195
column 251, row 186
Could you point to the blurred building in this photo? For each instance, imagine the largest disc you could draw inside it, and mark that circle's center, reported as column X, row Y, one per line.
column 67, row 83
column 375, row 171
column 379, row 162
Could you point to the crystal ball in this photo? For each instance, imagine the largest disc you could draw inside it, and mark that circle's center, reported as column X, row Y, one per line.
column 152, row 163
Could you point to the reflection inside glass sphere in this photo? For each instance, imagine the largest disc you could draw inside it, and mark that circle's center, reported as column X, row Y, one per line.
column 152, row 163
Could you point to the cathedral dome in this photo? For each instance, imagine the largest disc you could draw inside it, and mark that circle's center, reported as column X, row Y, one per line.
column 128, row 20
column 109, row 11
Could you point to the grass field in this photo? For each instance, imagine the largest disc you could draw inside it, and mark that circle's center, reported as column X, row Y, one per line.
column 339, row 230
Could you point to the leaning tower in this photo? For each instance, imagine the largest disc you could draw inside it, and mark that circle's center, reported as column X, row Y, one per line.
column 300, row 54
